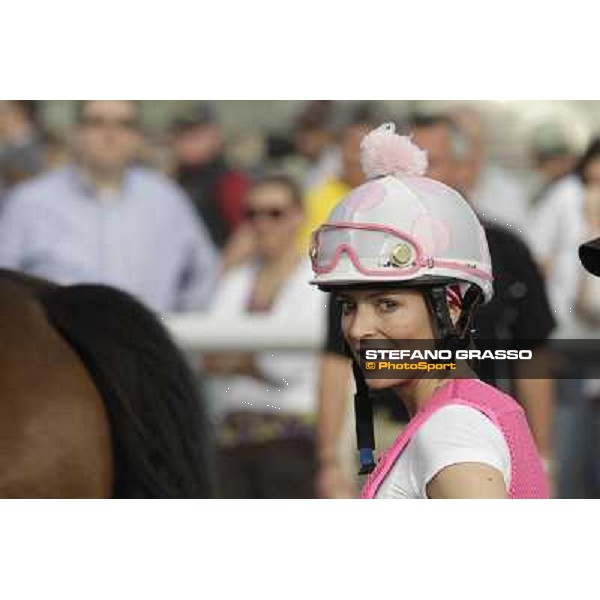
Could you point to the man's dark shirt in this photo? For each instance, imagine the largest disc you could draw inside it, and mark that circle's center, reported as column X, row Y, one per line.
column 519, row 311
column 218, row 193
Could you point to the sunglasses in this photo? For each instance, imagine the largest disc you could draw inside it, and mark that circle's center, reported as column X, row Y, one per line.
column 274, row 214
column 104, row 122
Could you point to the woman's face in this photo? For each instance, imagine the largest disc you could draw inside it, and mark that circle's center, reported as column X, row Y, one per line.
column 274, row 217
column 400, row 314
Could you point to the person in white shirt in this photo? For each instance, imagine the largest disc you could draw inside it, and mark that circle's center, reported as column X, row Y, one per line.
column 564, row 218
column 557, row 227
column 267, row 400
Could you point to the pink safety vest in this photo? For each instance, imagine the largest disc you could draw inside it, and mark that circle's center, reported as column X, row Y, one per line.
column 527, row 473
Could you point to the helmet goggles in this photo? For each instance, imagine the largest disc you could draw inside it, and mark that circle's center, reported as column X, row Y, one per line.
column 378, row 250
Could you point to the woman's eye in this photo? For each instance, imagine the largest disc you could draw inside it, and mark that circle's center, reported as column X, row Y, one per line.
column 347, row 306
column 388, row 305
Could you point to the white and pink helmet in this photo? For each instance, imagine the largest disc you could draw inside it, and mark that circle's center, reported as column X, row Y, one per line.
column 400, row 226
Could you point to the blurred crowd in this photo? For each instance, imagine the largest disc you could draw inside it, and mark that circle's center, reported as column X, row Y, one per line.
column 187, row 223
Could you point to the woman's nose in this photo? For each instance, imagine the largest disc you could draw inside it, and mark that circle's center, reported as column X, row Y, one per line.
column 359, row 325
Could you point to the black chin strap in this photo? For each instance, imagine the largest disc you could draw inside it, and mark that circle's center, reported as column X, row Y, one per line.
column 363, row 413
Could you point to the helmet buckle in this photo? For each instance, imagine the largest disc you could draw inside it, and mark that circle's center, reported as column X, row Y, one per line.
column 402, row 255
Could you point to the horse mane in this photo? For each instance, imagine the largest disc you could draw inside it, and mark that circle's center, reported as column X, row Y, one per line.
column 161, row 433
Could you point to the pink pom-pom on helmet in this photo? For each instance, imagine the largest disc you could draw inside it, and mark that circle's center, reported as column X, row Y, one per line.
column 384, row 152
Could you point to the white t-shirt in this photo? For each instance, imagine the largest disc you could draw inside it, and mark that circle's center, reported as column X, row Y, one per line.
column 556, row 229
column 294, row 373
column 453, row 434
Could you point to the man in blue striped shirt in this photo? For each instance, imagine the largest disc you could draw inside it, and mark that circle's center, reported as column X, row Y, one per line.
column 101, row 219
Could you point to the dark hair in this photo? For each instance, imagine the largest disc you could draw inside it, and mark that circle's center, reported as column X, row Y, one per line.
column 316, row 114
column 429, row 120
column 202, row 114
column 591, row 153
column 364, row 112
column 80, row 106
column 284, row 181
column 459, row 141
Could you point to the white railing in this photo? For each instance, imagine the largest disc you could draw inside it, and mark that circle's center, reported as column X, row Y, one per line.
column 200, row 332
column 195, row 332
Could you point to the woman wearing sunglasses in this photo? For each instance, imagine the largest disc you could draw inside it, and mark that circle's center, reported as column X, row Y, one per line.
column 408, row 260
column 267, row 400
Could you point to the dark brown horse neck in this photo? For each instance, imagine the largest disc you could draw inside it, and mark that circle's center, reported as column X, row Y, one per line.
column 95, row 398
column 55, row 438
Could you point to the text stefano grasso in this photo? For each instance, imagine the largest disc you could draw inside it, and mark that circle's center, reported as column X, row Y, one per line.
column 386, row 354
